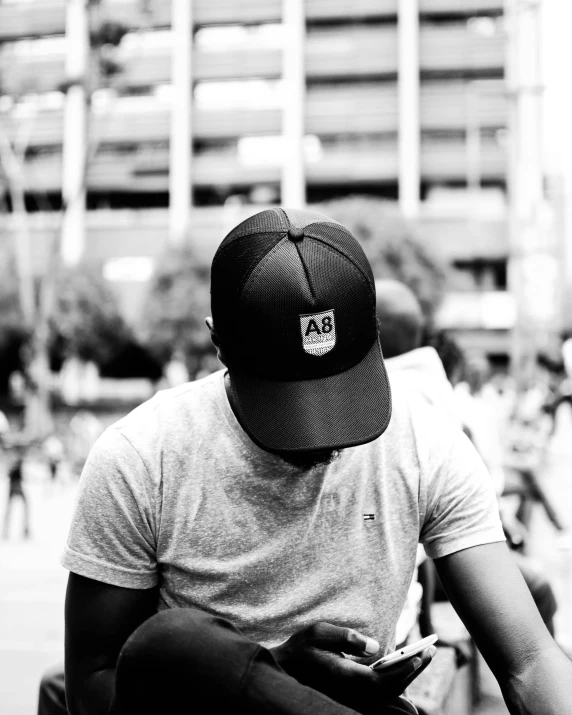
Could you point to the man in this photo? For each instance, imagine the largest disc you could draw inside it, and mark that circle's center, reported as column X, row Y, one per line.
column 16, row 489
column 247, row 541
column 401, row 330
column 420, row 369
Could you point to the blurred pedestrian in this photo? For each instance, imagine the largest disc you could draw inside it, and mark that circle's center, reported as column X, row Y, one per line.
column 480, row 411
column 16, row 490
column 85, row 428
column 4, row 428
column 416, row 368
column 176, row 372
column 209, row 364
column 53, row 451
column 17, row 387
column 419, row 370
column 473, row 405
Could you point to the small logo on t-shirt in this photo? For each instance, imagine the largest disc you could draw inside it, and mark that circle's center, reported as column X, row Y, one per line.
column 369, row 517
column 318, row 332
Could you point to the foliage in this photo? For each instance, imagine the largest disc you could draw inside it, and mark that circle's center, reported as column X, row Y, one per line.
column 105, row 38
column 108, row 32
column 176, row 307
column 85, row 321
column 13, row 334
column 392, row 246
column 11, row 319
column 133, row 360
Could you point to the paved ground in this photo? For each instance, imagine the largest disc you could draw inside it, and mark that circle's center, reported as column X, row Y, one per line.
column 32, row 583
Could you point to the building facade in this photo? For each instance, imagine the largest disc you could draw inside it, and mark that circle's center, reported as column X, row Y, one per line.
column 401, row 100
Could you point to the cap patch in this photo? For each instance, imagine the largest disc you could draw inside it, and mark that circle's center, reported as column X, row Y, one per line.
column 318, row 332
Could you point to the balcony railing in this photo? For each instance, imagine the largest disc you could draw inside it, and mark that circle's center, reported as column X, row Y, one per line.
column 364, row 108
column 47, row 17
column 351, row 163
column 344, row 52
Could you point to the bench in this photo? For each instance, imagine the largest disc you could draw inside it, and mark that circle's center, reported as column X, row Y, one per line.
column 444, row 688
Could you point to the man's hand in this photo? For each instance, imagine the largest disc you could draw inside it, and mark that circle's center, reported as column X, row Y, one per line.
column 314, row 655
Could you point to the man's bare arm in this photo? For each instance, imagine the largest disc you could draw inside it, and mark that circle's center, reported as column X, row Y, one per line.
column 99, row 619
column 489, row 594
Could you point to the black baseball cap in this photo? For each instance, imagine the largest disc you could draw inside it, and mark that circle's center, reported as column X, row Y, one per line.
column 293, row 305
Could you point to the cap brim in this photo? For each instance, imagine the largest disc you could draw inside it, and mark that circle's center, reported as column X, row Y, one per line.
column 343, row 410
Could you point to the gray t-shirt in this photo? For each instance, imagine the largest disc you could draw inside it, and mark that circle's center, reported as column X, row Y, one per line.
column 176, row 494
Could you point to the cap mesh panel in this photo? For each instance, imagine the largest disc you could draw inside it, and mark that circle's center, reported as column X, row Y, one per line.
column 341, row 239
column 229, row 272
column 277, row 294
column 264, row 222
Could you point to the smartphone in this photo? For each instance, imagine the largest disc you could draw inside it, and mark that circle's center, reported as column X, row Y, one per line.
column 403, row 653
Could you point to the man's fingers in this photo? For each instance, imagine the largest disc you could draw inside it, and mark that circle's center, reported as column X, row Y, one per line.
column 425, row 658
column 405, row 672
column 358, row 644
column 341, row 640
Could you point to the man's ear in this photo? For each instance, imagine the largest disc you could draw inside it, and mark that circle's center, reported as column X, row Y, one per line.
column 214, row 338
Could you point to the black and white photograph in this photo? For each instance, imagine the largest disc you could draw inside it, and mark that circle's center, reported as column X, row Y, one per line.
column 285, row 357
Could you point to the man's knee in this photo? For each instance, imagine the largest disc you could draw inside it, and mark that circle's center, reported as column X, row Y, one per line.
column 184, row 644
column 177, row 632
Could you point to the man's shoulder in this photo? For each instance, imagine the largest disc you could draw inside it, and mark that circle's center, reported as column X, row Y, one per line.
column 416, row 424
column 414, row 442
column 408, row 404
column 173, row 409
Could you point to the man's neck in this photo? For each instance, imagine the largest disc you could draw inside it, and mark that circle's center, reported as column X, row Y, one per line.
column 231, row 398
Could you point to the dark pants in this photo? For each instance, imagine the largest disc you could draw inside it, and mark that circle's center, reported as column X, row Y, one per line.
column 52, row 699
column 188, row 656
column 187, row 660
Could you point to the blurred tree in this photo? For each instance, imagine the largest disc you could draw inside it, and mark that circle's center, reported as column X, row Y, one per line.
column 392, row 247
column 13, row 332
column 11, row 320
column 36, row 330
column 176, row 307
column 85, row 321
column 105, row 38
column 133, row 361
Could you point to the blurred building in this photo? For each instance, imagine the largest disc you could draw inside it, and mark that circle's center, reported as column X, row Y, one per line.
column 445, row 98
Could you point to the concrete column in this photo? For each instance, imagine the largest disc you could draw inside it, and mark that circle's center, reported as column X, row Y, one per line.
column 180, row 183
column 409, row 142
column 294, row 78
column 473, row 138
column 529, row 242
column 75, row 132
column 19, row 228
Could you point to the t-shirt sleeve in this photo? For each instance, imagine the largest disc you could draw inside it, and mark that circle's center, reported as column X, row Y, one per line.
column 112, row 533
column 461, row 509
